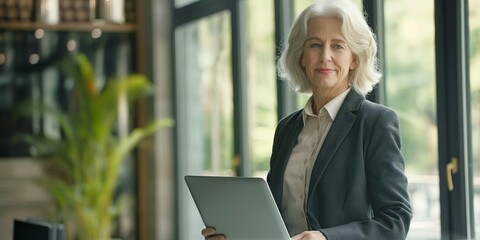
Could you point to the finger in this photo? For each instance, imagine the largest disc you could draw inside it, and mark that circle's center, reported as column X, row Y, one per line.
column 208, row 231
column 215, row 237
column 297, row 237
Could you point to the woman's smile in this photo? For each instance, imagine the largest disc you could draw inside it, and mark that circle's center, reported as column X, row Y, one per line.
column 325, row 71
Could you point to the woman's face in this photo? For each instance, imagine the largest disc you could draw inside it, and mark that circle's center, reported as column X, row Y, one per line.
column 327, row 59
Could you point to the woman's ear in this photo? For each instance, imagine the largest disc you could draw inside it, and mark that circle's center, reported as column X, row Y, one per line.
column 302, row 61
column 353, row 64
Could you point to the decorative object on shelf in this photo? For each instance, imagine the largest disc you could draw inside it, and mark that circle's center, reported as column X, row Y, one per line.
column 67, row 11
column 84, row 164
column 112, row 10
column 130, row 15
column 77, row 10
column 16, row 10
column 47, row 11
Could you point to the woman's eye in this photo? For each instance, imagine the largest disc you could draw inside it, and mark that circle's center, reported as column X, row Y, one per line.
column 315, row 45
column 337, row 46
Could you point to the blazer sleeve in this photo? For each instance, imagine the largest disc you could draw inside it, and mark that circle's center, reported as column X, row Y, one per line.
column 386, row 185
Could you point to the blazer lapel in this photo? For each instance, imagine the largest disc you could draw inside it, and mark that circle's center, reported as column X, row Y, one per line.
column 285, row 147
column 340, row 127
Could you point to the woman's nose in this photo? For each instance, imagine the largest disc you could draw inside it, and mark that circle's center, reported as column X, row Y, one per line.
column 325, row 55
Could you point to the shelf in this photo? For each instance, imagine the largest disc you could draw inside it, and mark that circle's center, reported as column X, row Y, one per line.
column 73, row 26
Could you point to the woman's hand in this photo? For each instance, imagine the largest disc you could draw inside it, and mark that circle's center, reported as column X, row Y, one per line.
column 310, row 235
column 209, row 234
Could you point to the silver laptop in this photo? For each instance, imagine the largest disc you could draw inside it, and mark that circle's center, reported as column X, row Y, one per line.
column 241, row 208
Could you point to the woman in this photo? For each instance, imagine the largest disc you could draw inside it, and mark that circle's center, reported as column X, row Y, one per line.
column 336, row 170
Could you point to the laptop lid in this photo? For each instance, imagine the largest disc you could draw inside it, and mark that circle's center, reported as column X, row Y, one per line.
column 24, row 230
column 241, row 208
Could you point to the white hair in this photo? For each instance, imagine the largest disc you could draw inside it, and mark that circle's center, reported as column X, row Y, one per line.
column 357, row 34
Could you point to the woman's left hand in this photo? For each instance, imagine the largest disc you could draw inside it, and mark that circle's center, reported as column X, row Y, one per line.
column 309, row 235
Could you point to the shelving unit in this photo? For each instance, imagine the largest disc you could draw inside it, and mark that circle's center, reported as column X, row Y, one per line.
column 19, row 42
column 68, row 27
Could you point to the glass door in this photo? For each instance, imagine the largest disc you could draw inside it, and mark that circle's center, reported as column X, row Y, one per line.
column 225, row 95
column 261, row 93
column 454, row 119
column 204, row 107
column 426, row 80
column 410, row 84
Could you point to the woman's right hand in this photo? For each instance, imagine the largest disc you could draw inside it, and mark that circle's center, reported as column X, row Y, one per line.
column 209, row 234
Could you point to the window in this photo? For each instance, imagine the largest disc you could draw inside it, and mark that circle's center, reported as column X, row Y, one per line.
column 204, row 107
column 410, row 91
column 262, row 101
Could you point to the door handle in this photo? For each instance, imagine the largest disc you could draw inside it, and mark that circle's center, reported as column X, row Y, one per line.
column 452, row 168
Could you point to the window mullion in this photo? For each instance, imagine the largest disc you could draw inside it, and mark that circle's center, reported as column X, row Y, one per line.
column 450, row 25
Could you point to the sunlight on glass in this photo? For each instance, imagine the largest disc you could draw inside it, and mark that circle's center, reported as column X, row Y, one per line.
column 410, row 87
column 262, row 101
column 474, row 24
column 204, row 100
column 206, row 95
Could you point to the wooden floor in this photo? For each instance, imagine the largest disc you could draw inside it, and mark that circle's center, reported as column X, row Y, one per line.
column 20, row 195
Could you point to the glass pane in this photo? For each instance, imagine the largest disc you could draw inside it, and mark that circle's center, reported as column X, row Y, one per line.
column 474, row 23
column 204, row 108
column 410, row 87
column 262, row 102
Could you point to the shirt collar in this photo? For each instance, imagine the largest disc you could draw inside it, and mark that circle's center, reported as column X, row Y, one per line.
column 331, row 108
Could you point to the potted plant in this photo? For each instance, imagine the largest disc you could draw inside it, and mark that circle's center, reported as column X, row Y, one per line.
column 85, row 161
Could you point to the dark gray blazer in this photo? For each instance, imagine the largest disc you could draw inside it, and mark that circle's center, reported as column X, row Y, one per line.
column 358, row 189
